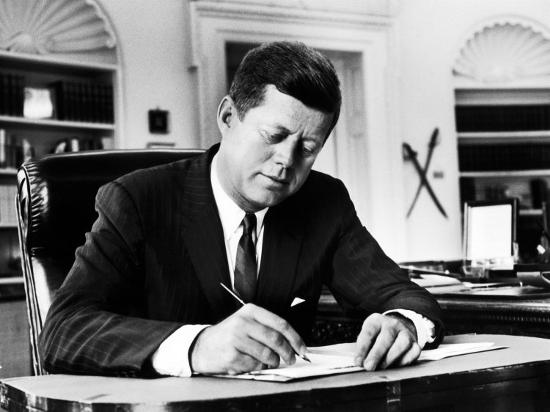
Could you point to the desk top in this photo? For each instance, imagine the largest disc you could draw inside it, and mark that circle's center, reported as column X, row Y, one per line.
column 525, row 357
column 503, row 300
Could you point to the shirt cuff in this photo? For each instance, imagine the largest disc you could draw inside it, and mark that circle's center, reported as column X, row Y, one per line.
column 172, row 356
column 425, row 328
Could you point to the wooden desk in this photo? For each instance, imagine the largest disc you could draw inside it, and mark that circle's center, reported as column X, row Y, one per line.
column 496, row 314
column 513, row 310
column 502, row 312
column 512, row 379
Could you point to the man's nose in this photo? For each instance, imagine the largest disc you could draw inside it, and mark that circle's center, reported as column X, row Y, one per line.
column 286, row 153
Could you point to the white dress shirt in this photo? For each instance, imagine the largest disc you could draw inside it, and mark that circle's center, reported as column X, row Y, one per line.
column 172, row 356
column 231, row 217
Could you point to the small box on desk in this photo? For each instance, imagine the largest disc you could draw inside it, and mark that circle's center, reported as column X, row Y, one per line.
column 500, row 274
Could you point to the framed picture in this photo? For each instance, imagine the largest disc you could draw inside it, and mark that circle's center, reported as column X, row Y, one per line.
column 490, row 229
column 158, row 121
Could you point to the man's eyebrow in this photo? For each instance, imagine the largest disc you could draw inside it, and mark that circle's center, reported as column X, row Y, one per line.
column 282, row 129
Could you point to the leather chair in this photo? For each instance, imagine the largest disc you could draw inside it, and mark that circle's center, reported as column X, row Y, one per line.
column 55, row 208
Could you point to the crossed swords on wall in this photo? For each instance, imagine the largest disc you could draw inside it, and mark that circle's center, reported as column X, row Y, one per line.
column 410, row 154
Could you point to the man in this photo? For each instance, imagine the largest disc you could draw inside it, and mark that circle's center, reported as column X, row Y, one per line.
column 145, row 293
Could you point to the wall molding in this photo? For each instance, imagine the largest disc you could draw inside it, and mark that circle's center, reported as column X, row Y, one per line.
column 503, row 50
column 377, row 168
column 54, row 27
column 277, row 15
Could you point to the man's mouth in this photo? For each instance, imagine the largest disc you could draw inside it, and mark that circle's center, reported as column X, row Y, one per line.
column 278, row 180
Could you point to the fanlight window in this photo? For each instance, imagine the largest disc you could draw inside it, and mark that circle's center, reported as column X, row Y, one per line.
column 53, row 26
column 504, row 52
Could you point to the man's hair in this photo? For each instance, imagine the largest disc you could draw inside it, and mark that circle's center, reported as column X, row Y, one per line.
column 294, row 69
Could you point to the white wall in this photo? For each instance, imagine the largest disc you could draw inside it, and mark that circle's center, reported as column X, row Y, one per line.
column 431, row 32
column 153, row 45
column 155, row 48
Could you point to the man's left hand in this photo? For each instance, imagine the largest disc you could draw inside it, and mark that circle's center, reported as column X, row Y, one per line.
column 386, row 340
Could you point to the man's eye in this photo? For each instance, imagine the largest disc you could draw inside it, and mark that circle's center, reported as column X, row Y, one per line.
column 308, row 151
column 273, row 138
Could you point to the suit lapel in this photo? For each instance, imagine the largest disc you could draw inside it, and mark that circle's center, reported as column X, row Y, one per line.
column 203, row 236
column 283, row 234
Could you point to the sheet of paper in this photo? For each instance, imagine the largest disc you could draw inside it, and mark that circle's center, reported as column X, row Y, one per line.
column 427, row 280
column 455, row 349
column 336, row 359
column 325, row 360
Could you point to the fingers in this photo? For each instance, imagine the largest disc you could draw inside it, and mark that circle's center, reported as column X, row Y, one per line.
column 403, row 351
column 278, row 324
column 253, row 355
column 243, row 363
column 250, row 339
column 367, row 337
column 259, row 351
column 410, row 356
column 274, row 343
column 385, row 341
column 377, row 353
column 215, row 351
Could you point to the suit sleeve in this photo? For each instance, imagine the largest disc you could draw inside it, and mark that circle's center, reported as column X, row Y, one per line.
column 365, row 280
column 95, row 324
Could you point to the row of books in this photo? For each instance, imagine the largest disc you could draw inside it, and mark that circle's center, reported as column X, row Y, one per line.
column 502, row 118
column 83, row 101
column 503, row 157
column 535, row 197
column 80, row 101
column 11, row 152
column 8, row 215
column 11, row 94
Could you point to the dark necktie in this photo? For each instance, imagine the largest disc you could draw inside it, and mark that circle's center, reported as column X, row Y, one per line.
column 245, row 264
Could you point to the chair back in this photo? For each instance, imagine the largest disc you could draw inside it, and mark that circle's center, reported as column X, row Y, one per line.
column 56, row 207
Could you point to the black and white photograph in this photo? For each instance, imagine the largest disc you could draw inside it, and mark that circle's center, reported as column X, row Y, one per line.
column 259, row 205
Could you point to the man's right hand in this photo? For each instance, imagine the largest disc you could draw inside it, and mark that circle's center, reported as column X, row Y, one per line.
column 250, row 339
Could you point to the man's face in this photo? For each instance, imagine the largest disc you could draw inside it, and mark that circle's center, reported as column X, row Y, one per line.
column 267, row 156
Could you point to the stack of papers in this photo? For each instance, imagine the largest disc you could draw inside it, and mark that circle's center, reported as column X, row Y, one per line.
column 437, row 284
column 429, row 281
column 339, row 358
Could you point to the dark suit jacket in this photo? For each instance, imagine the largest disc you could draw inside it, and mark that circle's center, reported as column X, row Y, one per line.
column 155, row 257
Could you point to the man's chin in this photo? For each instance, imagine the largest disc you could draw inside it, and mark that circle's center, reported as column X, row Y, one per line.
column 268, row 200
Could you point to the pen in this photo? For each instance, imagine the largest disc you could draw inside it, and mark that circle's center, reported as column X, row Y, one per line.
column 304, row 357
column 233, row 294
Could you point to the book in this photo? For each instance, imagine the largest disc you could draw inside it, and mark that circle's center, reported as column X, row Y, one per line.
column 83, row 101
column 3, row 149
column 5, row 95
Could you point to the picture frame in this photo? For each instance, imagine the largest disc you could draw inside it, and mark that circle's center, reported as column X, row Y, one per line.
column 490, row 229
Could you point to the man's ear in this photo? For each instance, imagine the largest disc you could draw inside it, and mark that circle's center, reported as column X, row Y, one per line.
column 226, row 114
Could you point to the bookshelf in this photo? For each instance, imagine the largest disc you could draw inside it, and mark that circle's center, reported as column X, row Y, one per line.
column 56, row 124
column 502, row 112
column 504, row 151
column 59, row 91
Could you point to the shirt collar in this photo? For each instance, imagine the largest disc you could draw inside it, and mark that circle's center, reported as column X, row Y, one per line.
column 231, row 215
